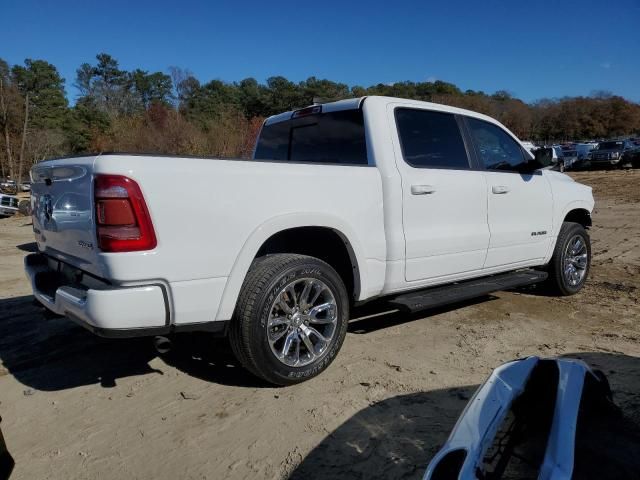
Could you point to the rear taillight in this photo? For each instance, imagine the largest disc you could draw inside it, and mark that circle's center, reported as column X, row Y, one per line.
column 123, row 223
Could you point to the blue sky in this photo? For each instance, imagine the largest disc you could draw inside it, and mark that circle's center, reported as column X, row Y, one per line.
column 532, row 49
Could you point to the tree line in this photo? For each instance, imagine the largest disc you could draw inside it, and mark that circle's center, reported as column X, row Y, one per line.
column 174, row 113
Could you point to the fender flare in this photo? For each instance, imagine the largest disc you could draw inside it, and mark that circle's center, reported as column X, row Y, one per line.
column 265, row 231
column 573, row 205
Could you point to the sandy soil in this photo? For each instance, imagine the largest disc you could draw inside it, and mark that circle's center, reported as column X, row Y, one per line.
column 77, row 406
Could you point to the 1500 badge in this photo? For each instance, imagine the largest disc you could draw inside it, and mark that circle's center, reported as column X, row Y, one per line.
column 83, row 244
column 541, row 232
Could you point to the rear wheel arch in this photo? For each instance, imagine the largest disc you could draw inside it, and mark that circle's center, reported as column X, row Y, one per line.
column 268, row 239
column 325, row 243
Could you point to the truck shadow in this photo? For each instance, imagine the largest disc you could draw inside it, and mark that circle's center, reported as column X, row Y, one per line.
column 54, row 354
column 397, row 437
column 209, row 358
column 51, row 354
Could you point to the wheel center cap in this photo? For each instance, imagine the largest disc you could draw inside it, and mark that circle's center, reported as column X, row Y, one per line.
column 296, row 319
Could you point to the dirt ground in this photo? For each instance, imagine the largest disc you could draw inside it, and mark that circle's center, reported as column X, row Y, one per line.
column 77, row 406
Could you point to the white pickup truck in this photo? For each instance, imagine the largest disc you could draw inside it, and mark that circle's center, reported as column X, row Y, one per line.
column 418, row 203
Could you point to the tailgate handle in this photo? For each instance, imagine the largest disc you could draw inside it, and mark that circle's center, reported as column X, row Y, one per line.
column 422, row 189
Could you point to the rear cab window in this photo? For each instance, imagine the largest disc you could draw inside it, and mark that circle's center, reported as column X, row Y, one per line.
column 333, row 138
column 431, row 139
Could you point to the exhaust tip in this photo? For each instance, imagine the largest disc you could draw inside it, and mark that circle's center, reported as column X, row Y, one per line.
column 162, row 344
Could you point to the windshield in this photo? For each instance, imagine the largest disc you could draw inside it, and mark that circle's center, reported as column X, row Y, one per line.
column 334, row 137
column 610, row 145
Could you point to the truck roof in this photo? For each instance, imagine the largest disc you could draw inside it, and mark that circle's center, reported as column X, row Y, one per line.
column 353, row 103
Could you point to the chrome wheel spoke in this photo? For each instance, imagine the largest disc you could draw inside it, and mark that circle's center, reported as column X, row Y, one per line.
column 296, row 359
column 307, row 342
column 328, row 308
column 581, row 261
column 288, row 342
column 575, row 276
column 304, row 296
column 283, row 304
column 319, row 290
column 316, row 333
column 577, row 246
column 291, row 293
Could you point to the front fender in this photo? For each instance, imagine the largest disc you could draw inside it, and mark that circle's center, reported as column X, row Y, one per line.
column 559, row 217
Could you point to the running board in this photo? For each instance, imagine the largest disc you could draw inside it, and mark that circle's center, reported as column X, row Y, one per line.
column 466, row 290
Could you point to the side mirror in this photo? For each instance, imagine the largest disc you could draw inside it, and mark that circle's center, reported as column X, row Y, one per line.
column 544, row 157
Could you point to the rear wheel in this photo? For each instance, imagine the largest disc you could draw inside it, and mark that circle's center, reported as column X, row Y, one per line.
column 569, row 265
column 291, row 318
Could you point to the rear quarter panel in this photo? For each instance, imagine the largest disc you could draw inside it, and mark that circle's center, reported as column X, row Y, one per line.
column 211, row 216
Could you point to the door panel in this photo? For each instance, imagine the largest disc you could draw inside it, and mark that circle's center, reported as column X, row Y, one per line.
column 520, row 219
column 446, row 231
column 444, row 203
column 519, row 199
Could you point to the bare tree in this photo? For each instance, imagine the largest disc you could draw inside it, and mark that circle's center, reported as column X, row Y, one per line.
column 4, row 118
column 24, row 140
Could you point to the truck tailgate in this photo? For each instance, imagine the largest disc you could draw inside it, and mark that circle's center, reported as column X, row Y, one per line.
column 62, row 211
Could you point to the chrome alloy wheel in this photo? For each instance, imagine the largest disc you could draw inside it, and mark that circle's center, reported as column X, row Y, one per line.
column 575, row 261
column 302, row 322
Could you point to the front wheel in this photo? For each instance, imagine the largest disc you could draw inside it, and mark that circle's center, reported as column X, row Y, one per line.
column 291, row 318
column 569, row 265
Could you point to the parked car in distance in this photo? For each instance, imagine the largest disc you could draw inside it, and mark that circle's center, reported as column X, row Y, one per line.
column 25, row 187
column 569, row 155
column 9, row 187
column 412, row 202
column 584, row 149
column 612, row 153
column 8, row 205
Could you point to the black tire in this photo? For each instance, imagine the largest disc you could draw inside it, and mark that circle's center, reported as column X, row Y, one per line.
column 557, row 283
column 266, row 279
column 626, row 163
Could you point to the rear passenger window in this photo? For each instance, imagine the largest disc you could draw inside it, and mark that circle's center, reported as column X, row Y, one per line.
column 496, row 148
column 430, row 139
column 333, row 137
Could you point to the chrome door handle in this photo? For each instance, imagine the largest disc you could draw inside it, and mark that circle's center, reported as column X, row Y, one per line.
column 422, row 189
column 500, row 189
